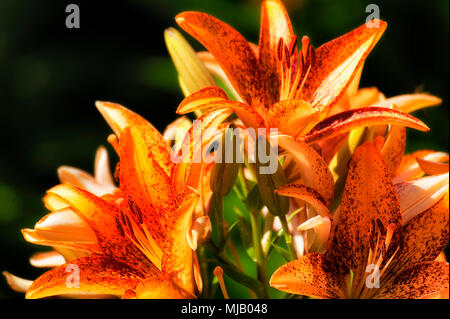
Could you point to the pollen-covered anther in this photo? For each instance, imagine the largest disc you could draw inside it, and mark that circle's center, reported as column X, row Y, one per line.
column 218, row 272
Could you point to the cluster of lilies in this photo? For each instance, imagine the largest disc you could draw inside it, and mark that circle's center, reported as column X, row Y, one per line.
column 353, row 216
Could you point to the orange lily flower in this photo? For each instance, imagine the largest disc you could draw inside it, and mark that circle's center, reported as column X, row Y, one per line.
column 372, row 254
column 135, row 239
column 282, row 88
column 65, row 225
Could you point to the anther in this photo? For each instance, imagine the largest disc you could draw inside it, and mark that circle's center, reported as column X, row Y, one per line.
column 218, row 272
column 280, row 49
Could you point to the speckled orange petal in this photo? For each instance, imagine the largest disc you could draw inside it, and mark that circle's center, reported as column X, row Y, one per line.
column 313, row 169
column 102, row 217
column 432, row 168
column 368, row 196
column 97, row 275
column 231, row 50
column 426, row 235
column 119, row 118
column 394, row 148
column 368, row 116
column 177, row 262
column 409, row 168
column 202, row 99
column 307, row 194
column 142, row 179
column 422, row 280
column 214, row 97
column 337, row 62
column 293, row 117
column 275, row 25
column 187, row 171
column 155, row 288
column 310, row 275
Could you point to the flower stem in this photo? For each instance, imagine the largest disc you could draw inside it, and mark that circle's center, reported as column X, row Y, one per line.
column 287, row 237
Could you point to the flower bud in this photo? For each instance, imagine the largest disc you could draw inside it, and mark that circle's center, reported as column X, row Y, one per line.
column 226, row 164
column 268, row 182
column 192, row 73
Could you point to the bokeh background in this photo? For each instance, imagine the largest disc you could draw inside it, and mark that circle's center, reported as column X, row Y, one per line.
column 50, row 77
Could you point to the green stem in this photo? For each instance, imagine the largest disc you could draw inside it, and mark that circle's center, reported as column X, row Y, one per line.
column 287, row 237
column 259, row 255
column 218, row 210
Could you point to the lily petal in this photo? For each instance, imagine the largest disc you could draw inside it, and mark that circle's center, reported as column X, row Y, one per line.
column 337, row 63
column 102, row 217
column 48, row 259
column 119, row 118
column 423, row 280
column 432, row 168
column 409, row 167
column 155, row 288
column 231, row 50
column 368, row 196
column 178, row 256
column 418, row 195
column 426, row 235
column 349, row 120
column 16, row 283
column 97, row 275
column 275, row 25
column 215, row 97
column 394, row 148
column 293, row 117
column 310, row 275
column 313, row 169
column 411, row 102
column 187, row 171
column 307, row 194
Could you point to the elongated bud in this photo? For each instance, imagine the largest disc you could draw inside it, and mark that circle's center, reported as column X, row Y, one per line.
column 192, row 73
column 268, row 180
column 226, row 163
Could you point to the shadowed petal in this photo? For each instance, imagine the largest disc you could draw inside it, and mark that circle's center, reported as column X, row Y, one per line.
column 349, row 120
column 310, row 275
column 307, row 194
column 231, row 50
column 313, row 169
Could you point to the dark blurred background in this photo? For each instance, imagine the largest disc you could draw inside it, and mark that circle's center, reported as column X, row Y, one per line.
column 50, row 77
